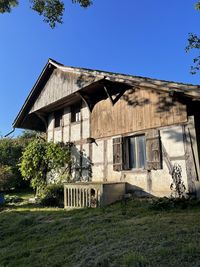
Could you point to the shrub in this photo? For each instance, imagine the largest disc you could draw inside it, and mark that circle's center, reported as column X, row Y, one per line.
column 40, row 158
column 7, row 178
column 53, row 196
column 170, row 203
column 10, row 153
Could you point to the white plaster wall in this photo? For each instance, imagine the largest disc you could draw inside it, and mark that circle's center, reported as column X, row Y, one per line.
column 75, row 132
column 50, row 136
column 66, row 135
column 160, row 180
column 172, row 138
column 98, row 173
column 75, row 157
column 66, row 123
column 50, row 128
column 85, row 112
column 50, row 122
column 98, row 160
column 85, row 128
column 97, row 151
column 135, row 180
column 58, row 134
column 113, row 176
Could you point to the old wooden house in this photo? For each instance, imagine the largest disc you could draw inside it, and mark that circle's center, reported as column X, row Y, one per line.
column 128, row 133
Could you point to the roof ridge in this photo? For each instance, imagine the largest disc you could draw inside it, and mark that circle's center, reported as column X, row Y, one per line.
column 102, row 72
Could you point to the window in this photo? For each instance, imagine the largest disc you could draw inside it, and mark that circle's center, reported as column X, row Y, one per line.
column 142, row 151
column 135, row 152
column 75, row 113
column 58, row 118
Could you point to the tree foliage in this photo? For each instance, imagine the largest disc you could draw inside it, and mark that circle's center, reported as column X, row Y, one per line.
column 194, row 44
column 41, row 157
column 8, row 179
column 10, row 152
column 51, row 10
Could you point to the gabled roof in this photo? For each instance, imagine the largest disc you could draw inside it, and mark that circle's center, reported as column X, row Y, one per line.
column 23, row 118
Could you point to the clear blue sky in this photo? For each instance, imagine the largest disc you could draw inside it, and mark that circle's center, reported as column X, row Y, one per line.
column 139, row 37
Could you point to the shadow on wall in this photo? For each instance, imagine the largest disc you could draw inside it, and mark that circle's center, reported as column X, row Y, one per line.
column 165, row 104
column 84, row 79
column 137, row 191
column 81, row 166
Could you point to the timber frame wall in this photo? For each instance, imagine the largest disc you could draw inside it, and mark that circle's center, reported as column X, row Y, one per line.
column 136, row 112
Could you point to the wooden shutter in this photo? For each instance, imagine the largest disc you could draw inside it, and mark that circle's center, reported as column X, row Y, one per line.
column 117, row 154
column 153, row 150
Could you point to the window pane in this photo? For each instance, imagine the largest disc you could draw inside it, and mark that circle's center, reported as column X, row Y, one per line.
column 141, row 152
column 132, row 153
column 58, row 118
column 75, row 113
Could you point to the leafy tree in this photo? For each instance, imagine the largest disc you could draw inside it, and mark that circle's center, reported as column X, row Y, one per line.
column 40, row 158
column 51, row 10
column 194, row 43
column 10, row 152
column 7, row 178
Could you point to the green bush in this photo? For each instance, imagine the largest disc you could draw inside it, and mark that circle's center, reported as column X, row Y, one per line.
column 170, row 203
column 7, row 178
column 41, row 158
column 53, row 196
column 10, row 153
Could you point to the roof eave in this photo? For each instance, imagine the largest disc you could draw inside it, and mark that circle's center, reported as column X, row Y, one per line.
column 46, row 72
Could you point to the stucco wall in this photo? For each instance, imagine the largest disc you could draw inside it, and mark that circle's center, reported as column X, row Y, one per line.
column 157, row 182
column 154, row 182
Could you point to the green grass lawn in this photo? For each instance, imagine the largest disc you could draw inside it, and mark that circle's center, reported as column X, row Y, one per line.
column 34, row 236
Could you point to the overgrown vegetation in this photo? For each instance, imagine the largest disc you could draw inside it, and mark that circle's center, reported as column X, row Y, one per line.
column 10, row 153
column 53, row 196
column 164, row 203
column 41, row 158
column 35, row 236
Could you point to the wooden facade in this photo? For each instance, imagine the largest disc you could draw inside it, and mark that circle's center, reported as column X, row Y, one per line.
column 137, row 110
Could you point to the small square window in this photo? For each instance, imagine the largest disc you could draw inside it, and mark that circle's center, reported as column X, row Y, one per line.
column 75, row 113
column 58, row 118
column 135, row 150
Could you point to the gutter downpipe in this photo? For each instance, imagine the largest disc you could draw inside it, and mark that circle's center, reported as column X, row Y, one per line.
column 9, row 133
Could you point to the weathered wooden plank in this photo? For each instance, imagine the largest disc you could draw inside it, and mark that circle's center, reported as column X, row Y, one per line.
column 137, row 109
column 60, row 85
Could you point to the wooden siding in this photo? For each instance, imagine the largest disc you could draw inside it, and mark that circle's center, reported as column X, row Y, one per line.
column 138, row 109
column 60, row 85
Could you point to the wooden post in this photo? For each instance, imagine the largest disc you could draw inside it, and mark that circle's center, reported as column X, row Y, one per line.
column 68, row 197
column 65, row 197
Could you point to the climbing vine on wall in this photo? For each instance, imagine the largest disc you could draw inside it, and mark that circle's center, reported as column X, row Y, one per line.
column 177, row 186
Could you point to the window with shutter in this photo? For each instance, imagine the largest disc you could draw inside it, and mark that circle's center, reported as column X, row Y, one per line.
column 137, row 152
column 153, row 150
column 118, row 154
column 129, row 153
